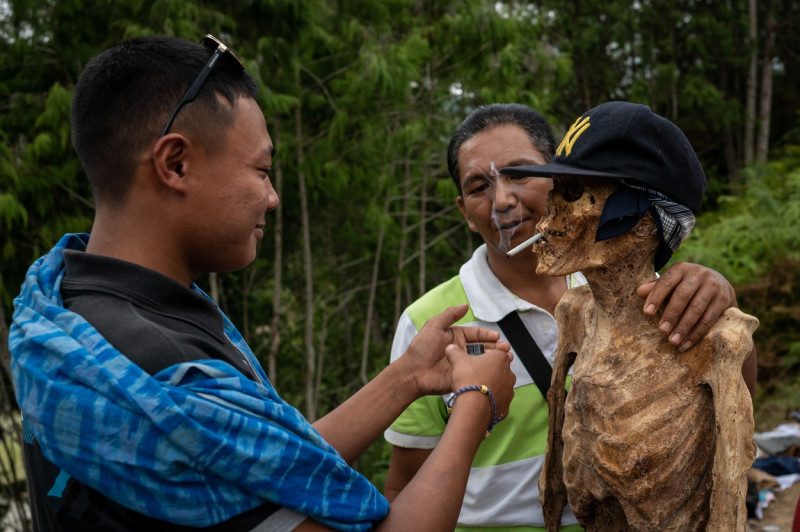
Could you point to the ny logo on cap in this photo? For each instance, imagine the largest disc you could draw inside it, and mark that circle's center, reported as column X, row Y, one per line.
column 575, row 131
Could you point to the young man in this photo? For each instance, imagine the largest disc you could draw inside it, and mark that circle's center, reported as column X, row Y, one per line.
column 143, row 408
column 502, row 491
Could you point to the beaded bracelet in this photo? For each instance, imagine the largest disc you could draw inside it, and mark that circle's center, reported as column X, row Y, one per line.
column 485, row 391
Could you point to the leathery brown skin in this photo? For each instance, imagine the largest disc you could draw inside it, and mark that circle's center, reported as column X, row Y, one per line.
column 648, row 438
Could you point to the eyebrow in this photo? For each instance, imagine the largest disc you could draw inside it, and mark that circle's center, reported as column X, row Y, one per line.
column 475, row 176
column 523, row 162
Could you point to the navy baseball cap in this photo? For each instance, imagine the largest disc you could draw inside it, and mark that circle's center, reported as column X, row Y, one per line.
column 623, row 140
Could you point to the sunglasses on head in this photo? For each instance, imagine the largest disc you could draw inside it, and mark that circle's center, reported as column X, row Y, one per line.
column 212, row 43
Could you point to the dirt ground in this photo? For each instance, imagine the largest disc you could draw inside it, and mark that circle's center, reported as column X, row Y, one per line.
column 780, row 512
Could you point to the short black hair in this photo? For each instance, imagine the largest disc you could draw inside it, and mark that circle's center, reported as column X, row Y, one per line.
column 488, row 116
column 125, row 95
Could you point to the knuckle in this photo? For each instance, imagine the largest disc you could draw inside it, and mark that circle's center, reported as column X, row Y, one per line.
column 667, row 280
column 709, row 320
column 681, row 329
column 698, row 305
column 670, row 315
column 685, row 291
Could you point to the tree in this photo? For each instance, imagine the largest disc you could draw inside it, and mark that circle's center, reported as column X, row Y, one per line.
column 752, row 82
column 765, row 102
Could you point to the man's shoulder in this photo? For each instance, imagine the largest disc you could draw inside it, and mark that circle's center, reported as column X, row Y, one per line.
column 136, row 333
column 150, row 319
column 448, row 294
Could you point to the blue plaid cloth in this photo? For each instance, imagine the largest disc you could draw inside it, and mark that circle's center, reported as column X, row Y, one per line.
column 628, row 204
column 195, row 444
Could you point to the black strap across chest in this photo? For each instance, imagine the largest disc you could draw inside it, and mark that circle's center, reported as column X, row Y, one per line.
column 528, row 352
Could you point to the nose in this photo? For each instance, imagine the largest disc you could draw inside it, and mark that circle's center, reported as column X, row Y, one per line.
column 545, row 222
column 548, row 216
column 272, row 196
column 505, row 194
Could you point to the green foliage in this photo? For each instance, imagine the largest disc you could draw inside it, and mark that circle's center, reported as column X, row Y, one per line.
column 12, row 210
column 755, row 229
column 775, row 300
column 753, row 240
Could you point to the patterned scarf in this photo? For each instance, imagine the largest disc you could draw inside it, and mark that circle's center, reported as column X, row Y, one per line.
column 626, row 206
column 195, row 444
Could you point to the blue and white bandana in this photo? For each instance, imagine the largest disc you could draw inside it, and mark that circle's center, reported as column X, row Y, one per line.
column 628, row 204
column 196, row 444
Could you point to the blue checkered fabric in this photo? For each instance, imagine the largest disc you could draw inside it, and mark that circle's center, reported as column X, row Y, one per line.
column 628, row 204
column 195, row 444
column 677, row 221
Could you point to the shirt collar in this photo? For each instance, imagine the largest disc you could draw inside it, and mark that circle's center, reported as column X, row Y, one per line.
column 143, row 286
column 489, row 299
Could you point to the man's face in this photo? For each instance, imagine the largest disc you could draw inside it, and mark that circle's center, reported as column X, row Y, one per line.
column 504, row 210
column 569, row 226
column 233, row 194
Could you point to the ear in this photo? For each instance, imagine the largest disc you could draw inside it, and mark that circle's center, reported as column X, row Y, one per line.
column 465, row 214
column 645, row 227
column 170, row 156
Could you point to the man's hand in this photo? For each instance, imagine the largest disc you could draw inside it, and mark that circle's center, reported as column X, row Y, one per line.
column 492, row 368
column 425, row 355
column 695, row 298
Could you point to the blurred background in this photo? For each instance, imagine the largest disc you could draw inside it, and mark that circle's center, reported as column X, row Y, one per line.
column 361, row 98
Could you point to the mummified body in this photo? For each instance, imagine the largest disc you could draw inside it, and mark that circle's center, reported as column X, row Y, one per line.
column 648, row 438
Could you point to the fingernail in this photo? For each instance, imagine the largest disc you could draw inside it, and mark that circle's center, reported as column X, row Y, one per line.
column 665, row 326
column 649, row 309
column 674, row 339
column 685, row 347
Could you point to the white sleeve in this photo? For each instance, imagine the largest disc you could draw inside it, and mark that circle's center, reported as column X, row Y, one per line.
column 406, row 331
column 284, row 520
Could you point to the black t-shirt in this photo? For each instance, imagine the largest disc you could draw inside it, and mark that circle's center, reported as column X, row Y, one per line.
column 156, row 322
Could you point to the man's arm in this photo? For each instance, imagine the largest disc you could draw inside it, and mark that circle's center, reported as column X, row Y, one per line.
column 423, row 370
column 694, row 297
column 432, row 500
column 404, row 465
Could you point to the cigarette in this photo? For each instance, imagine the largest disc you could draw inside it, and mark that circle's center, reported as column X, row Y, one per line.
column 535, row 238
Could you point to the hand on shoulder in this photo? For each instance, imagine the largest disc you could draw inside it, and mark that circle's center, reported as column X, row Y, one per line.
column 693, row 296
